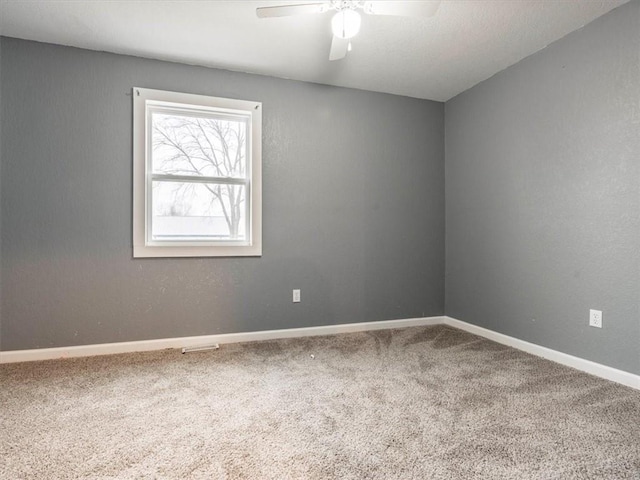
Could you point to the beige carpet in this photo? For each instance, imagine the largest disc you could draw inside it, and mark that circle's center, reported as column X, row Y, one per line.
column 415, row 403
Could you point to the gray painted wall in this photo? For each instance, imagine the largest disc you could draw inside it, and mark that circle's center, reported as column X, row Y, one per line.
column 543, row 195
column 353, row 206
column 542, row 212
column 0, row 194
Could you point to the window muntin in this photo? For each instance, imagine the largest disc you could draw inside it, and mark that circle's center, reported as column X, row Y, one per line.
column 201, row 175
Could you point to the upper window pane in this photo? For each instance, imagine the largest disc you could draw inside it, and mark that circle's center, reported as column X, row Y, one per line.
column 199, row 144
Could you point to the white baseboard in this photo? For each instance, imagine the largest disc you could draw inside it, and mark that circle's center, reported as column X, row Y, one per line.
column 597, row 369
column 13, row 356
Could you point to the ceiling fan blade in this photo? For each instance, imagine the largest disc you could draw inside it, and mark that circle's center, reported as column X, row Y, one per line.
column 403, row 8
column 287, row 10
column 339, row 47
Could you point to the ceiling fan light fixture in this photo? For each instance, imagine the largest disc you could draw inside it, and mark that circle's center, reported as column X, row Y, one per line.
column 346, row 23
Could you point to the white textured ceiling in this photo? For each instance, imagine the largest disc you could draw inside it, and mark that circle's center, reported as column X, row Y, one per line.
column 433, row 58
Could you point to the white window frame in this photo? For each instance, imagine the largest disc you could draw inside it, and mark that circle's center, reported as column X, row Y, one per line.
column 144, row 102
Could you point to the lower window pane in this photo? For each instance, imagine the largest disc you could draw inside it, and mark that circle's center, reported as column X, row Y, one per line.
column 185, row 211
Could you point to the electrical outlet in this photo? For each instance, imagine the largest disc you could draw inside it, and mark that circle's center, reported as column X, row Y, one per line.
column 595, row 318
column 296, row 296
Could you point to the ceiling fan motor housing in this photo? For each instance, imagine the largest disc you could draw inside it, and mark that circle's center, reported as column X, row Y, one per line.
column 347, row 4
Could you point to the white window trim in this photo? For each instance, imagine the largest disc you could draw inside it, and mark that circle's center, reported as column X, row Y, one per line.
column 142, row 175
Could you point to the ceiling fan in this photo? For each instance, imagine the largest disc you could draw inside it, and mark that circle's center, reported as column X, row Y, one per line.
column 345, row 23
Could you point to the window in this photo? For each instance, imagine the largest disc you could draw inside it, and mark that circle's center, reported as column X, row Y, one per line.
column 196, row 175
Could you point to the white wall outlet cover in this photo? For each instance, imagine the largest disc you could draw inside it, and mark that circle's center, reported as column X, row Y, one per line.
column 296, row 296
column 595, row 318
